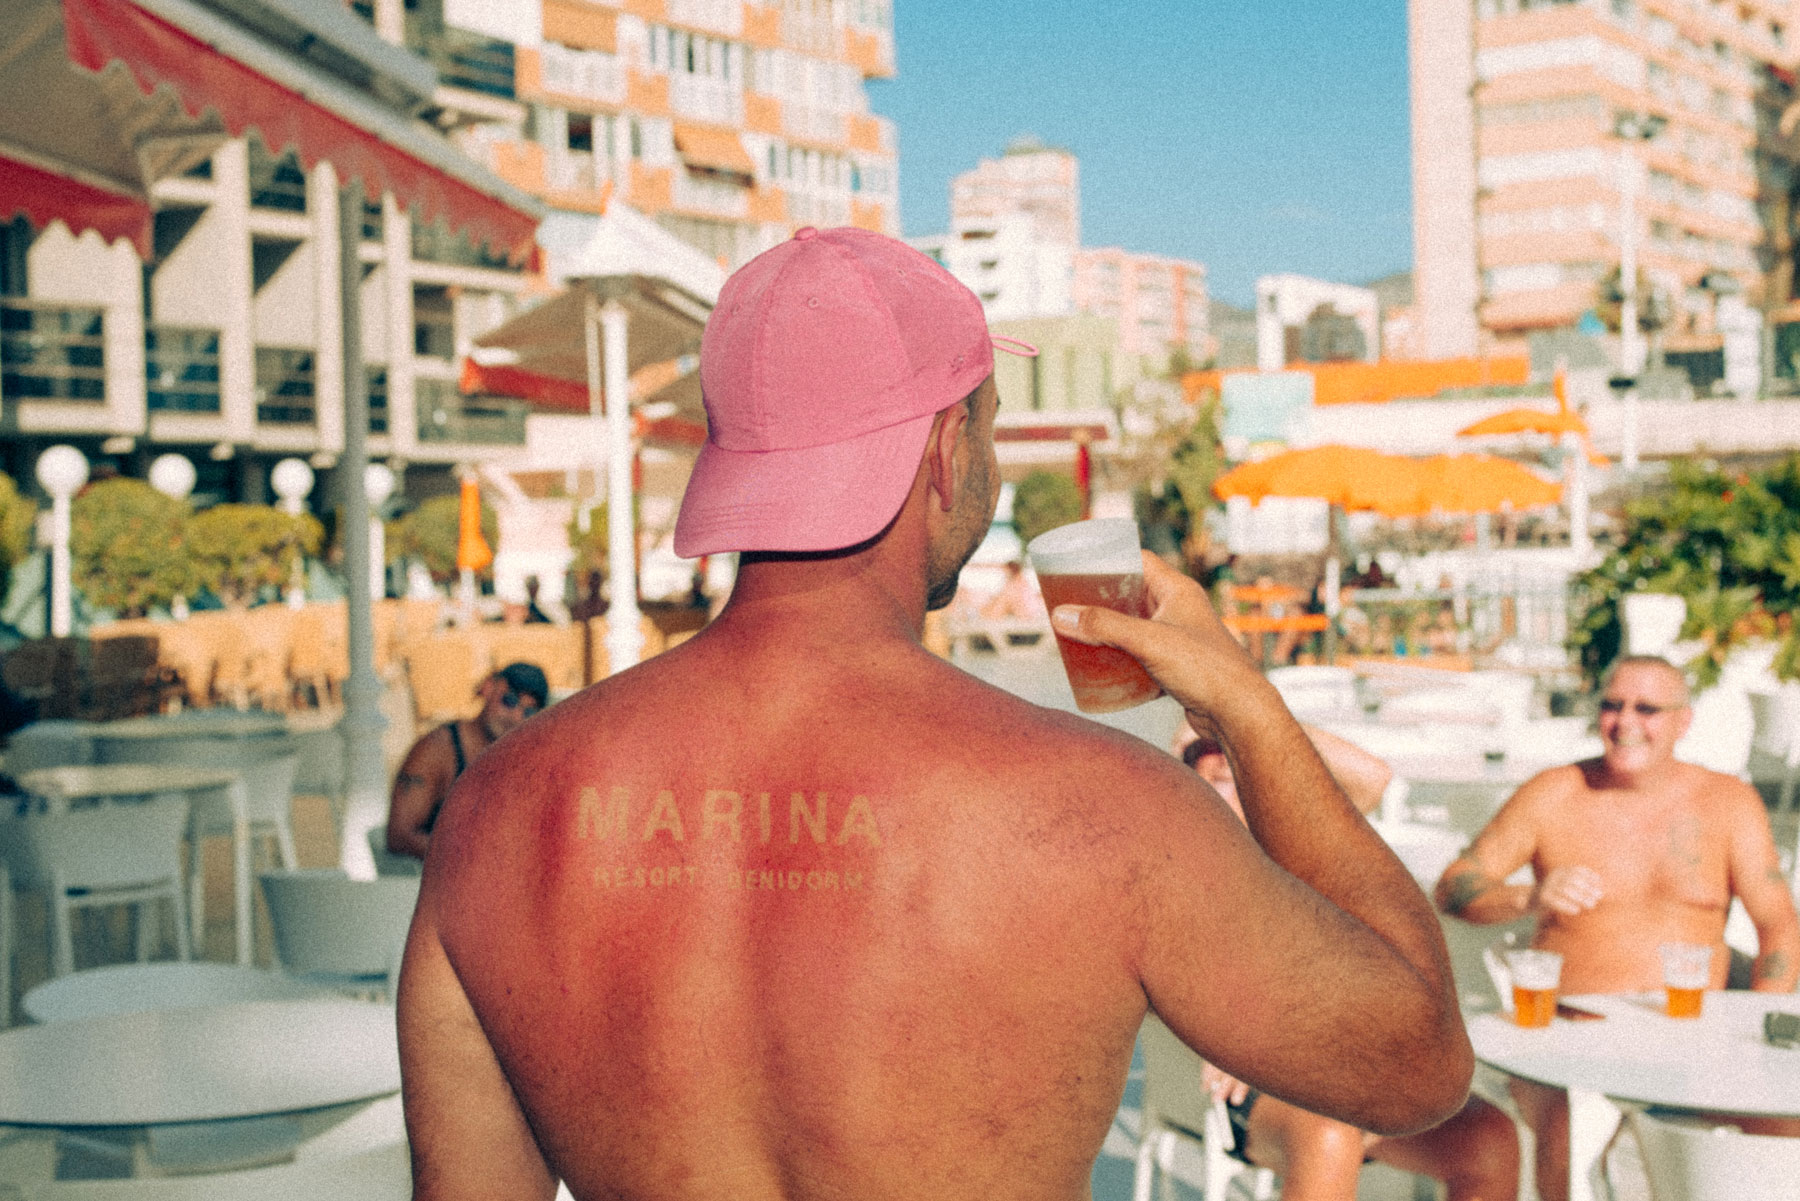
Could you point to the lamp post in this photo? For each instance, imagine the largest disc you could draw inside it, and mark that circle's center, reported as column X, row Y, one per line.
column 292, row 480
column 378, row 485
column 62, row 470
column 174, row 476
column 1629, row 128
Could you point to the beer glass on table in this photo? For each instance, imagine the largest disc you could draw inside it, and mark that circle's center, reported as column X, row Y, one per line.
column 1096, row 562
column 1687, row 969
column 1535, row 976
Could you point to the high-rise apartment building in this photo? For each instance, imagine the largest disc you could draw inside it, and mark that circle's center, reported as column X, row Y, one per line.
column 1552, row 138
column 1015, row 240
column 1160, row 303
column 730, row 122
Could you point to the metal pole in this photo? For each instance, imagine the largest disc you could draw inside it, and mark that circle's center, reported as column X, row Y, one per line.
column 365, row 775
column 62, row 592
column 624, row 641
column 1631, row 338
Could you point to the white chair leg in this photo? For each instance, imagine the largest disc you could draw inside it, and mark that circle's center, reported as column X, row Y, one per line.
column 184, row 947
column 6, row 941
column 1146, row 1166
column 284, row 843
column 62, row 937
column 1166, row 1143
column 1219, row 1165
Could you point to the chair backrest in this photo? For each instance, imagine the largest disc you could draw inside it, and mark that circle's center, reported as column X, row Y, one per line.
column 386, row 862
column 269, row 787
column 1777, row 723
column 329, row 924
column 1690, row 1159
column 102, row 846
column 1173, row 1091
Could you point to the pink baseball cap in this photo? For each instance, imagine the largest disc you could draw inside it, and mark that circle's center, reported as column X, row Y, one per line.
column 821, row 368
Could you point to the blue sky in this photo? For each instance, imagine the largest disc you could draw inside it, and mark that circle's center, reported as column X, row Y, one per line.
column 1253, row 135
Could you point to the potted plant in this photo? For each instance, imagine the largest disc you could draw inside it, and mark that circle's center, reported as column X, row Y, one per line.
column 128, row 547
column 1728, row 545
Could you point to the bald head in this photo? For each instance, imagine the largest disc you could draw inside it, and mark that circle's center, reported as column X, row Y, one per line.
column 1651, row 663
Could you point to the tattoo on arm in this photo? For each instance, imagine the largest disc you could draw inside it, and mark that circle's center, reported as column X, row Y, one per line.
column 1772, row 966
column 1464, row 889
column 409, row 779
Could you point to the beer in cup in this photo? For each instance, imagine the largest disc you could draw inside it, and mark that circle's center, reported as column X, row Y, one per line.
column 1687, row 970
column 1096, row 563
column 1535, row 975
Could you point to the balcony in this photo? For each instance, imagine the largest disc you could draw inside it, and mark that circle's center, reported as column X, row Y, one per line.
column 276, row 183
column 285, row 386
column 588, row 74
column 446, row 416
column 702, row 98
column 571, row 171
column 470, row 61
column 439, row 244
column 815, row 124
column 714, row 195
column 51, row 351
column 181, row 369
column 714, row 16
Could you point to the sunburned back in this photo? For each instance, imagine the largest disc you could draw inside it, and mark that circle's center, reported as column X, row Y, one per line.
column 1663, row 857
column 702, row 944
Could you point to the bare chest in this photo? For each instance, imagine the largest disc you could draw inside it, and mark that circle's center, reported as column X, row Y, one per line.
column 1649, row 850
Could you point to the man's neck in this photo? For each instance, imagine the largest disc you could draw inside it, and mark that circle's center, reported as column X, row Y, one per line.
column 854, row 594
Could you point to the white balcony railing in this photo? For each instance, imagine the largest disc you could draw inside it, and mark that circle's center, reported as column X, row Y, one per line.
column 587, row 73
column 704, row 98
column 573, row 171
column 697, row 193
column 715, row 16
column 814, row 124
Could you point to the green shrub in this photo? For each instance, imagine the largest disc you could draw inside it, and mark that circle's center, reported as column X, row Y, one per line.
column 18, row 523
column 429, row 532
column 1044, row 500
column 240, row 551
column 1728, row 544
column 128, row 546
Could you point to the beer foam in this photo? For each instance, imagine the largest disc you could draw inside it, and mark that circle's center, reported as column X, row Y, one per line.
column 1100, row 546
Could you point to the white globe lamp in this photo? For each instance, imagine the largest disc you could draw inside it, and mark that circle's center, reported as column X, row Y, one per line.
column 173, row 475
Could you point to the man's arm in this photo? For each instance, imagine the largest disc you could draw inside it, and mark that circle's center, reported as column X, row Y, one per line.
column 419, row 787
column 1357, row 1015
column 469, row 1137
column 1474, row 886
column 1757, row 880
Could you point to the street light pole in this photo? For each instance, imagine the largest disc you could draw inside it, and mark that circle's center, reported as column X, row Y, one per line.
column 62, row 470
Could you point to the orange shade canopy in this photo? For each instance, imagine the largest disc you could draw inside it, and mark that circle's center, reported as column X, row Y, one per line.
column 472, row 550
column 1351, row 477
column 1484, row 484
column 1526, row 421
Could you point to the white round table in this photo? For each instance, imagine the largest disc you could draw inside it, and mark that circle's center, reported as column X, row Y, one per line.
column 1717, row 1062
column 198, row 1065
column 134, row 987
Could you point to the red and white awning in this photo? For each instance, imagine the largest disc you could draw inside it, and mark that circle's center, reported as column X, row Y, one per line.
column 43, row 196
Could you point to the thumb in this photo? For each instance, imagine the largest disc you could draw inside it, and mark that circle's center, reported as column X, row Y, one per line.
column 1098, row 626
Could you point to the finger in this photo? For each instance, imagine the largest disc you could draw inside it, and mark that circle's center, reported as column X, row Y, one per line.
column 1239, row 1091
column 1098, row 626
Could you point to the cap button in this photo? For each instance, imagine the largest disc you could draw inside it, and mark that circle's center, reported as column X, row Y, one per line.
column 805, row 232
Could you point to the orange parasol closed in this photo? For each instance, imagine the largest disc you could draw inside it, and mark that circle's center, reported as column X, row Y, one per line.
column 472, row 550
column 1351, row 477
column 1484, row 484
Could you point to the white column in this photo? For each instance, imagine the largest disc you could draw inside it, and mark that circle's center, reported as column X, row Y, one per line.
column 396, row 253
column 624, row 641
column 328, row 330
column 237, row 333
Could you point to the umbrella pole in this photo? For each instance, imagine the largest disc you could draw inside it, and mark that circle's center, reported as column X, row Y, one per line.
column 1333, row 581
column 624, row 641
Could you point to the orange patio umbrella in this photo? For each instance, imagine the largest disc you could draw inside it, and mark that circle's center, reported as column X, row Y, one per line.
column 1350, row 477
column 1527, row 421
column 1484, row 484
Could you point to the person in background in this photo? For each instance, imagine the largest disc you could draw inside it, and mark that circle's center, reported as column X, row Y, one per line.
column 431, row 767
column 1475, row 1153
column 1628, row 851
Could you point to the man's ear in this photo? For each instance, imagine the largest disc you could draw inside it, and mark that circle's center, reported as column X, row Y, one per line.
column 944, row 472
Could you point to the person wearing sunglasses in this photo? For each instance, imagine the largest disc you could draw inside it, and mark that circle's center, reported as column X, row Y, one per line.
column 1627, row 851
column 431, row 767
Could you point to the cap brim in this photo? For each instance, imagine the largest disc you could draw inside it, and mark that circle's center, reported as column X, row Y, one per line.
column 816, row 498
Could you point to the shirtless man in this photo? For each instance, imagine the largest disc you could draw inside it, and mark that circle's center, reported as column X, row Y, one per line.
column 799, row 910
column 1475, row 1153
column 1627, row 851
column 435, row 761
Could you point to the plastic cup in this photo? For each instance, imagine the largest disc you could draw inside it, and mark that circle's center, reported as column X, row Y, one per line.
column 1096, row 563
column 1535, row 976
column 1687, row 970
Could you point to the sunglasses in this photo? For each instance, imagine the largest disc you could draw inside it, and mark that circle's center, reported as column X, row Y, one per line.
column 513, row 700
column 1641, row 708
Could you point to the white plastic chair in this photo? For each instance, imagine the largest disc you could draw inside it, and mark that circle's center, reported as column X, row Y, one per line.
column 124, row 854
column 1776, row 720
column 1691, row 1160
column 339, row 932
column 6, row 932
column 268, row 803
column 386, row 862
column 1176, row 1105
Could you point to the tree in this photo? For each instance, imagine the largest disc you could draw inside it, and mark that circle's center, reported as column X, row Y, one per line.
column 429, row 532
column 1728, row 544
column 128, row 546
column 241, row 550
column 18, row 523
column 1044, row 500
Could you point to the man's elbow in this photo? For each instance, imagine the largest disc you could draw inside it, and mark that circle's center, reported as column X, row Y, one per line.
column 1431, row 1085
